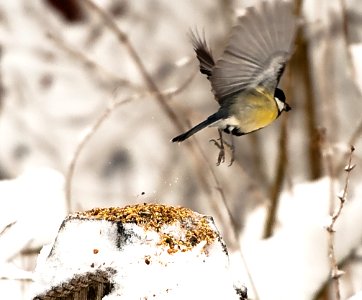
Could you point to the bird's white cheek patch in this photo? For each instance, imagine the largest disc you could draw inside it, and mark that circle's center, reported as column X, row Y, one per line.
column 280, row 104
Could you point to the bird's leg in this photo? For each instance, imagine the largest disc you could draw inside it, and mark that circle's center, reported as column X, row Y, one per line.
column 220, row 145
column 232, row 149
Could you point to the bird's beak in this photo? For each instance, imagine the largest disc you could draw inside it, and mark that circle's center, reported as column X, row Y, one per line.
column 287, row 107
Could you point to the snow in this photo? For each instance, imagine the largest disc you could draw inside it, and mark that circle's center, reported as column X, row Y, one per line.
column 297, row 254
column 33, row 207
column 35, row 204
column 144, row 267
column 357, row 296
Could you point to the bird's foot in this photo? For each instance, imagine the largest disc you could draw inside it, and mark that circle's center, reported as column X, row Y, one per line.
column 219, row 143
column 232, row 149
column 220, row 146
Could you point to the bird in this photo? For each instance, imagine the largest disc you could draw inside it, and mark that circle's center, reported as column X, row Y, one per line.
column 245, row 78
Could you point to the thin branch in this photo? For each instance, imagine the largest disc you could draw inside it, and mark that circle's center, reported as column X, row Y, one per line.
column 281, row 168
column 231, row 222
column 327, row 152
column 7, row 227
column 84, row 141
column 171, row 92
column 335, row 272
column 356, row 134
column 278, row 182
column 21, row 279
column 123, row 39
column 257, row 160
column 342, row 197
column 301, row 65
column 302, row 62
column 99, row 121
column 91, row 64
column 345, row 28
column 344, row 263
column 151, row 85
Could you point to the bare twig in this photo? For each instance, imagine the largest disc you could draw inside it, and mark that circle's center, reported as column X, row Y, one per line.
column 278, row 181
column 174, row 91
column 7, row 227
column 230, row 221
column 327, row 153
column 123, row 39
column 336, row 273
column 85, row 139
column 345, row 28
column 356, row 134
column 346, row 262
column 108, row 77
column 257, row 159
column 347, row 42
column 151, row 85
column 91, row 64
column 281, row 168
column 99, row 121
column 300, row 61
column 21, row 279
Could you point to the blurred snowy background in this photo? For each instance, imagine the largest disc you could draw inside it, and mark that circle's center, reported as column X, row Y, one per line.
column 62, row 67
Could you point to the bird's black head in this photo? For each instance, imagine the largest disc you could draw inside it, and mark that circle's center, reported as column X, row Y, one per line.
column 279, row 97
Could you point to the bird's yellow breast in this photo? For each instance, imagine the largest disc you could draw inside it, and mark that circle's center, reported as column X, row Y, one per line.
column 253, row 111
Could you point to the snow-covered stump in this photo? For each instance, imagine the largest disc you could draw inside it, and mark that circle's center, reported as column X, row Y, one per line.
column 145, row 251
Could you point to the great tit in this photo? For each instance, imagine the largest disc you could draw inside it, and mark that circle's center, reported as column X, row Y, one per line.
column 244, row 79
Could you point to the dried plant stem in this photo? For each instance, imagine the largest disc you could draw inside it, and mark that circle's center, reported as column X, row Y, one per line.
column 358, row 131
column 300, row 61
column 281, row 168
column 278, row 182
column 310, row 113
column 151, row 85
column 123, row 39
column 7, row 227
column 356, row 134
column 258, row 159
column 92, row 130
column 91, row 64
column 231, row 223
column 85, row 139
column 17, row 279
column 335, row 272
column 174, row 91
column 346, row 40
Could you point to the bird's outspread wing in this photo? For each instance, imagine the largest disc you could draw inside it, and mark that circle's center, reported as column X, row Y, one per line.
column 203, row 53
column 259, row 47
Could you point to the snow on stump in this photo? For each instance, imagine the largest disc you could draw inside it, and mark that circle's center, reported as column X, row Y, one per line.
column 145, row 251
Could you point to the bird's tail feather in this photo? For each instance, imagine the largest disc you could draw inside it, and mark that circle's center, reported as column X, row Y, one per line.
column 210, row 120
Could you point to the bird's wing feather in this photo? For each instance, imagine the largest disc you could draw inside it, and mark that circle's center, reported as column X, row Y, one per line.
column 259, row 47
column 203, row 53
